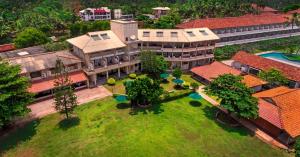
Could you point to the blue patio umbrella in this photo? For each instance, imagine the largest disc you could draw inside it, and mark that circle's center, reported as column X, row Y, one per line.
column 195, row 96
column 164, row 75
column 178, row 81
column 121, row 98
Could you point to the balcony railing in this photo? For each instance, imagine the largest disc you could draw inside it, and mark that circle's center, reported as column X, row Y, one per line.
column 191, row 58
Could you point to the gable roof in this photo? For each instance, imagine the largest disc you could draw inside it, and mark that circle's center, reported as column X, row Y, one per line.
column 252, row 81
column 88, row 45
column 240, row 21
column 269, row 112
column 44, row 61
column 288, row 102
column 182, row 35
column 213, row 70
column 291, row 72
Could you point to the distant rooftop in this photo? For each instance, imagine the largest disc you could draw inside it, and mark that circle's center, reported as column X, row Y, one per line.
column 161, row 8
column 29, row 51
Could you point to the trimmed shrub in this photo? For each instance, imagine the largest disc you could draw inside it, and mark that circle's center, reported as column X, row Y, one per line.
column 111, row 81
column 186, row 85
column 195, row 85
column 132, row 76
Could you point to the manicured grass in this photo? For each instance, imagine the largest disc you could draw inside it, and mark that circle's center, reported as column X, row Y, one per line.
column 104, row 128
column 169, row 86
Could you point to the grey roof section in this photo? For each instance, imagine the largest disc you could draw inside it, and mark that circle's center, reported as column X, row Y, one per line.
column 30, row 51
column 44, row 61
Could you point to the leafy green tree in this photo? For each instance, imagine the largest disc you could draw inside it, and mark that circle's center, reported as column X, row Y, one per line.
column 177, row 73
column 30, row 37
column 65, row 99
column 195, row 86
column 143, row 91
column 14, row 96
column 274, row 77
column 235, row 96
column 152, row 64
column 168, row 21
column 297, row 148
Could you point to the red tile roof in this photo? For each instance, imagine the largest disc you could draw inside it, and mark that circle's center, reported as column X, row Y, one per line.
column 291, row 72
column 6, row 47
column 294, row 11
column 241, row 21
column 48, row 84
column 269, row 112
column 213, row 70
column 252, row 81
column 288, row 103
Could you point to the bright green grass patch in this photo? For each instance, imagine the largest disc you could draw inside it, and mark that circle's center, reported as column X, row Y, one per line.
column 120, row 89
column 105, row 128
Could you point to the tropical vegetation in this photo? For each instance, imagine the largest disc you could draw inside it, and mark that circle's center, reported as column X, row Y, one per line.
column 235, row 96
column 14, row 96
column 274, row 77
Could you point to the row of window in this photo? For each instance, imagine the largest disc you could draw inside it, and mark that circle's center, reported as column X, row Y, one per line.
column 38, row 74
column 174, row 34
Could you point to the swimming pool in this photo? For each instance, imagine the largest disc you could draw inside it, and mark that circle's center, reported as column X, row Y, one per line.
column 280, row 57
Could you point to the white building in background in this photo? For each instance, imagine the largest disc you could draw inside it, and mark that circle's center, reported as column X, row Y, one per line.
column 91, row 14
column 160, row 11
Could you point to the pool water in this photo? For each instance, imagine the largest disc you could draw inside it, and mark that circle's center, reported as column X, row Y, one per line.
column 279, row 57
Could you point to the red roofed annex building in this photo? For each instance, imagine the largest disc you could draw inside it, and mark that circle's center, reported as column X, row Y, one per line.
column 247, row 28
column 279, row 110
column 90, row 14
column 250, row 63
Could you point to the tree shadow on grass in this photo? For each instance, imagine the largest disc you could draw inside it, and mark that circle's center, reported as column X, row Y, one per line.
column 123, row 105
column 66, row 124
column 155, row 109
column 210, row 113
column 14, row 136
column 195, row 103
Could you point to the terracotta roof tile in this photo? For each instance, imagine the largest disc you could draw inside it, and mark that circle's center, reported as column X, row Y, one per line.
column 252, row 81
column 288, row 103
column 241, row 21
column 47, row 84
column 269, row 112
column 213, row 70
column 6, row 47
column 291, row 72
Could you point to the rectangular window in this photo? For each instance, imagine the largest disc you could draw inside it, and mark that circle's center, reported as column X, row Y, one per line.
column 190, row 33
column 36, row 74
column 146, row 34
column 174, row 34
column 159, row 34
column 105, row 36
column 72, row 67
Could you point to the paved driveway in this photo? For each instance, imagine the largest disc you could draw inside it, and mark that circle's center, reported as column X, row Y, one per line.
column 46, row 107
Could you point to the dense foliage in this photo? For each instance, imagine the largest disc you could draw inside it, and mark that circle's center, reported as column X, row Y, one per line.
column 65, row 99
column 79, row 28
column 235, row 96
column 297, row 148
column 227, row 52
column 274, row 77
column 152, row 64
column 13, row 93
column 30, row 37
column 143, row 91
column 177, row 73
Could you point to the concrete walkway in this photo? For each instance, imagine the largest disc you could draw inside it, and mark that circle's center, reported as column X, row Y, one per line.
column 43, row 108
column 258, row 133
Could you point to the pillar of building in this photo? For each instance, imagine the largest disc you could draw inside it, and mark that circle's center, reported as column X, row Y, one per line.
column 107, row 75
column 119, row 72
column 127, row 70
column 93, row 80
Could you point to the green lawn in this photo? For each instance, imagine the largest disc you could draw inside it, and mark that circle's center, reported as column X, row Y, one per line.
column 120, row 89
column 105, row 128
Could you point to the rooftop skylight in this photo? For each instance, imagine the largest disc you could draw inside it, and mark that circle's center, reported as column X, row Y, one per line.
column 146, row 34
column 105, row 36
column 159, row 34
column 95, row 37
column 174, row 34
column 190, row 33
column 203, row 32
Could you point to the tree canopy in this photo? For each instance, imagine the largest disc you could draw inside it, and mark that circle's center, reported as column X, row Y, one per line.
column 235, row 96
column 274, row 77
column 65, row 99
column 177, row 73
column 14, row 96
column 143, row 91
column 30, row 37
column 153, row 64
